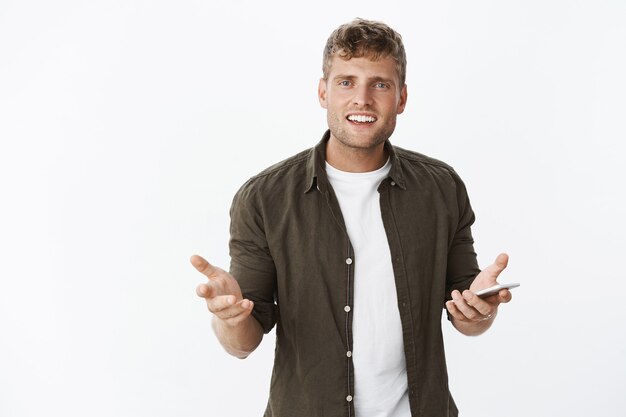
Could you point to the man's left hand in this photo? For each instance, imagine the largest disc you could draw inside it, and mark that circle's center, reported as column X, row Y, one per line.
column 469, row 310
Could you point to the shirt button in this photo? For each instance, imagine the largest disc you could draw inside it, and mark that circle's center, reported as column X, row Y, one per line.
column 346, row 309
column 349, row 398
column 349, row 261
column 349, row 354
column 393, row 183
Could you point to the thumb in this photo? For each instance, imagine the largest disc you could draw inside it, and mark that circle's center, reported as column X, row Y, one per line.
column 502, row 261
column 203, row 266
column 498, row 266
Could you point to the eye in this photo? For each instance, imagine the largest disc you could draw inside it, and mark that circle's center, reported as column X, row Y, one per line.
column 345, row 83
column 380, row 85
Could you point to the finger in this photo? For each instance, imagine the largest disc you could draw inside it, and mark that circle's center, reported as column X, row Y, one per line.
column 504, row 296
column 220, row 303
column 236, row 313
column 203, row 266
column 467, row 310
column 454, row 311
column 482, row 306
column 205, row 291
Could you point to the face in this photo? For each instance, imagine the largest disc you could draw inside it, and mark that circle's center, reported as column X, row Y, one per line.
column 362, row 98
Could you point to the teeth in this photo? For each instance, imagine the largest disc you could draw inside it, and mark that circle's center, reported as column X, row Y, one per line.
column 361, row 118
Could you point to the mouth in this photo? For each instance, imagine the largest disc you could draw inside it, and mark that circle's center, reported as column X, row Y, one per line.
column 361, row 119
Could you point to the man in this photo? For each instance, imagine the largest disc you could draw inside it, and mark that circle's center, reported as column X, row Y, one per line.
column 351, row 249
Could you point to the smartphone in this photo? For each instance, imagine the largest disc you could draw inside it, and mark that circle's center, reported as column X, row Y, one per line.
column 495, row 289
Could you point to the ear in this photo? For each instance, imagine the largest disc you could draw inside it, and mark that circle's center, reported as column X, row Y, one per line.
column 402, row 101
column 321, row 92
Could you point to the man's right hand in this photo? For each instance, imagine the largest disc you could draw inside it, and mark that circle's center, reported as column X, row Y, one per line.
column 222, row 293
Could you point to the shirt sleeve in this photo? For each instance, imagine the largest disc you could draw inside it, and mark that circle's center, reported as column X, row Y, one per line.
column 462, row 265
column 251, row 263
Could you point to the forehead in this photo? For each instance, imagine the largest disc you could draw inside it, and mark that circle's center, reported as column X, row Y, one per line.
column 364, row 67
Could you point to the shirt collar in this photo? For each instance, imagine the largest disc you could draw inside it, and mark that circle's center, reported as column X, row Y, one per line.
column 316, row 166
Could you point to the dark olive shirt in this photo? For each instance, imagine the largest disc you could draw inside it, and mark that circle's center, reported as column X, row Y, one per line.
column 292, row 256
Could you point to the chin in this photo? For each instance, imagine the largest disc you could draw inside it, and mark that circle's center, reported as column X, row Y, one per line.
column 361, row 143
column 369, row 140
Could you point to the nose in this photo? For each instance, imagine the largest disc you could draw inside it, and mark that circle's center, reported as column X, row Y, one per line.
column 362, row 96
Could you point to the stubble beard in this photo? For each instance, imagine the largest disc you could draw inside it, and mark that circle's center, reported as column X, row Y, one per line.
column 364, row 143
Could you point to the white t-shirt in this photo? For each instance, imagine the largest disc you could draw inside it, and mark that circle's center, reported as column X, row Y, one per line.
column 380, row 380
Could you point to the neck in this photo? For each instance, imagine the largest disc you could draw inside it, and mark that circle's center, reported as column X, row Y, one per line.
column 351, row 159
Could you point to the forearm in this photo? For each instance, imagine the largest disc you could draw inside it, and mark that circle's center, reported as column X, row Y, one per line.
column 239, row 340
column 473, row 328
